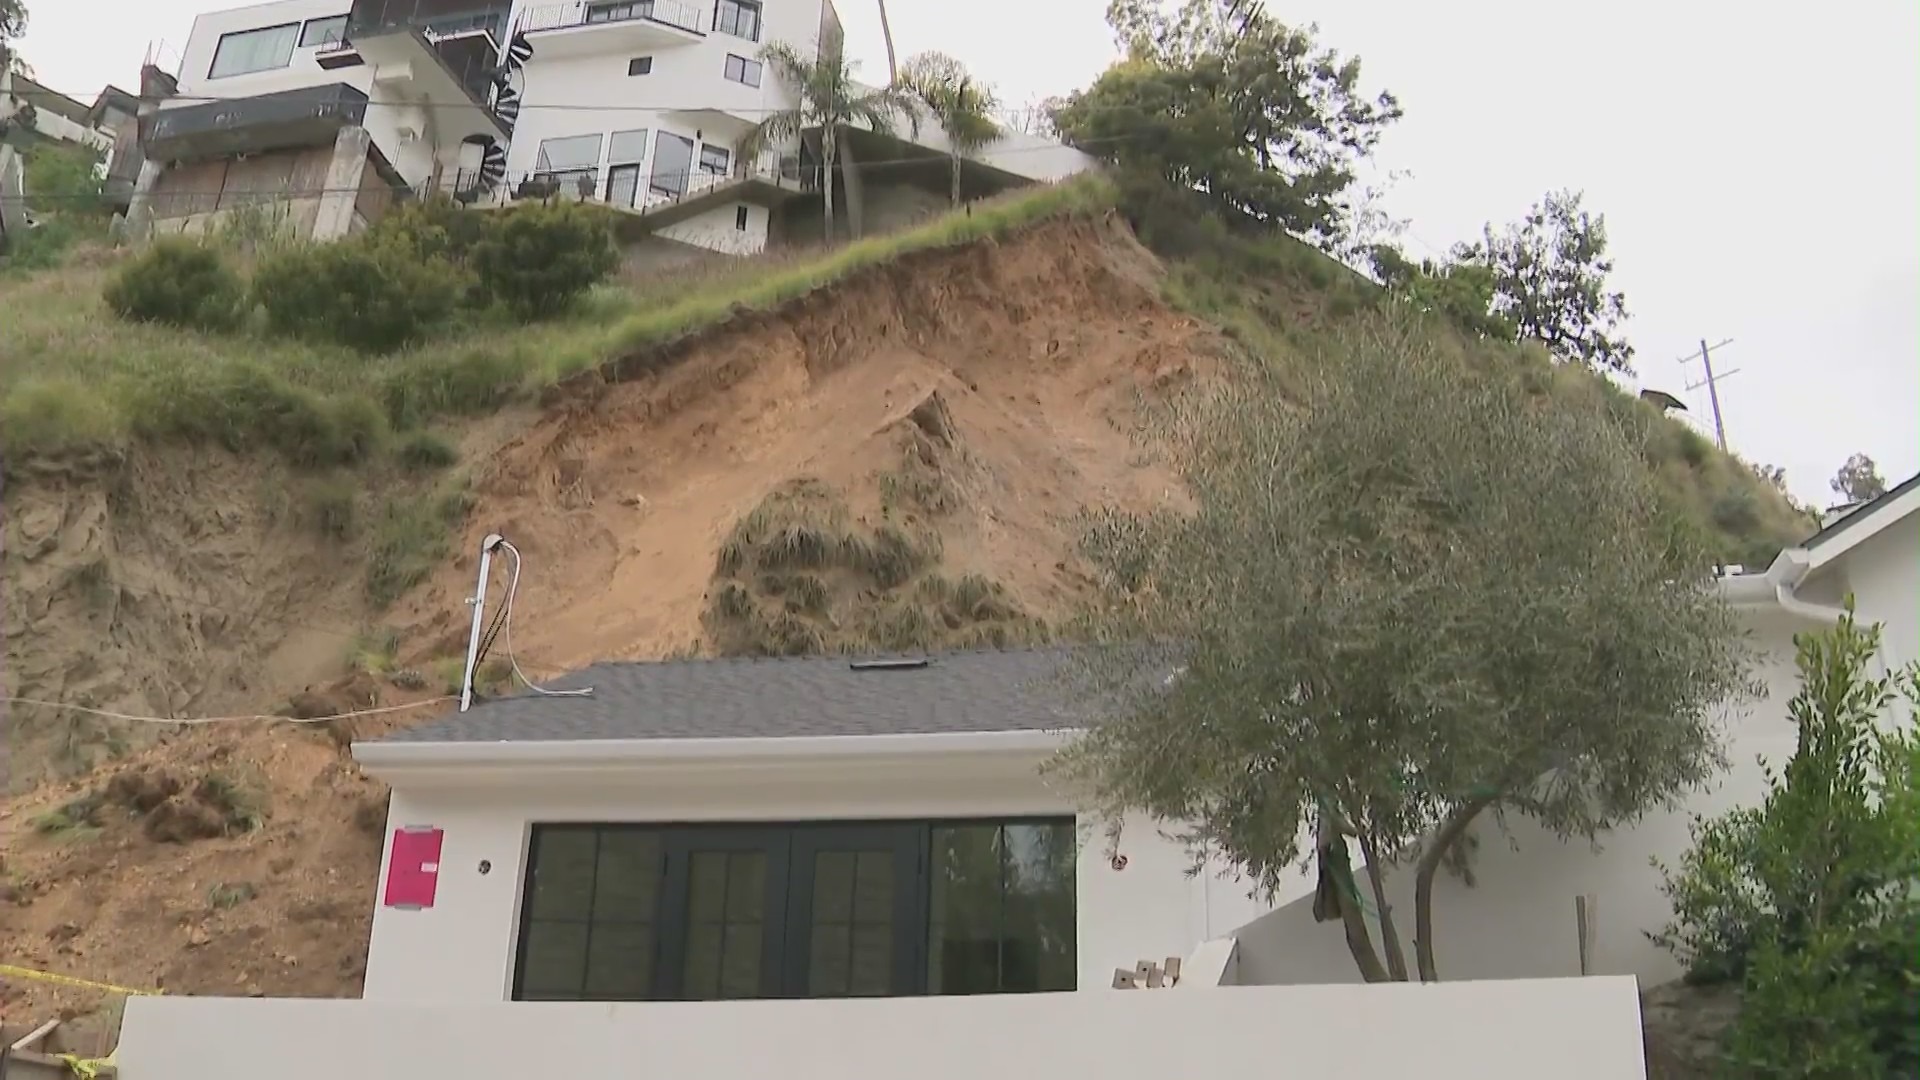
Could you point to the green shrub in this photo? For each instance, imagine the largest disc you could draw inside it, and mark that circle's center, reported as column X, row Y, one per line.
column 424, row 450
column 538, row 260
column 242, row 404
column 436, row 228
column 179, row 282
column 1807, row 900
column 373, row 292
column 474, row 380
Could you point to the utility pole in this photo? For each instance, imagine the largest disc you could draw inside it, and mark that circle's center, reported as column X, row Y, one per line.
column 1712, row 383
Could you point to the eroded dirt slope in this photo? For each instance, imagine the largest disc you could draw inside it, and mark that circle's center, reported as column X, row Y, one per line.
column 970, row 400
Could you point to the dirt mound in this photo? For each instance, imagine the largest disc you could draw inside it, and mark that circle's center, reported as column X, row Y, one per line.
column 895, row 462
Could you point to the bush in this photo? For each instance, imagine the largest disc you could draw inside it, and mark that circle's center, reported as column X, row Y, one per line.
column 1807, row 900
column 179, row 282
column 373, row 292
column 538, row 260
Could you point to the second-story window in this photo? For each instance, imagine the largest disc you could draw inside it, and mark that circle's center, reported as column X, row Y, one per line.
column 320, row 32
column 621, row 12
column 248, row 51
column 713, row 160
column 742, row 70
column 640, row 65
column 741, row 18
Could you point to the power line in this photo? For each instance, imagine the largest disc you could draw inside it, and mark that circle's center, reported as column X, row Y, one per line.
column 199, row 720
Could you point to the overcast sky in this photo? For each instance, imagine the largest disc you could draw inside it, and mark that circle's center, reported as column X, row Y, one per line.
column 1759, row 171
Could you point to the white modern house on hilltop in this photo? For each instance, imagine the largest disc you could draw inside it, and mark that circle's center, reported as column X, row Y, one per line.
column 330, row 110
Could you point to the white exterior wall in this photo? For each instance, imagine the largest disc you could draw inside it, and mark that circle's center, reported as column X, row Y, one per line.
column 1518, row 920
column 462, row 948
column 398, row 130
column 686, row 93
column 1577, row 1029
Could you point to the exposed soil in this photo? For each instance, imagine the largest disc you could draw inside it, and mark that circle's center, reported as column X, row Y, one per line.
column 976, row 399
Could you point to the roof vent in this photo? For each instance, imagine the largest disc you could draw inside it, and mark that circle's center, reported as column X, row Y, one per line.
column 887, row 665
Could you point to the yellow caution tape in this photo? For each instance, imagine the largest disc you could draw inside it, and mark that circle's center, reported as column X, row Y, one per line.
column 68, row 980
column 88, row 1068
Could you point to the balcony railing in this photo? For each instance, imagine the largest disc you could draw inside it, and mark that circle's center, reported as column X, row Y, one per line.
column 602, row 13
column 644, row 193
column 372, row 17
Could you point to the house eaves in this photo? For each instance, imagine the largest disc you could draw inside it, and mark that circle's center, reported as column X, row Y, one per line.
column 421, row 761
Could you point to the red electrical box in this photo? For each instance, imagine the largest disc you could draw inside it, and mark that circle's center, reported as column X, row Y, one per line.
column 413, row 867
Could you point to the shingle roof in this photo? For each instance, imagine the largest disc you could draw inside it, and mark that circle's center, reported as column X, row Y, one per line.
column 982, row 691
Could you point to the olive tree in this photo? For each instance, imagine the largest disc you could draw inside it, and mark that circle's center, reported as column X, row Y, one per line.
column 1408, row 597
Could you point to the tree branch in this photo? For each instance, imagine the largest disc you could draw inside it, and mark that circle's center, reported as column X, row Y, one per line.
column 1450, row 833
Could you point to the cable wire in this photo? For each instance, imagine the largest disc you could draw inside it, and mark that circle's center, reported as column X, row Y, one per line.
column 506, row 636
column 198, row 720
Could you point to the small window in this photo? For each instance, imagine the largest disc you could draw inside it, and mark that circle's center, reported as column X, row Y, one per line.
column 320, row 32
column 742, row 70
column 741, row 18
column 249, row 51
column 740, row 218
column 640, row 65
column 714, row 159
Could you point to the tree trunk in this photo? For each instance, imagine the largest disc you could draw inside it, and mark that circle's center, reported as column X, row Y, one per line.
column 956, row 179
column 1450, row 833
column 1352, row 919
column 828, row 148
column 886, row 31
column 1389, row 937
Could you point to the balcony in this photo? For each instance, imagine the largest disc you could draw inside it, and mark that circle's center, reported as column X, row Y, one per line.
column 645, row 200
column 302, row 117
column 443, row 53
column 589, row 27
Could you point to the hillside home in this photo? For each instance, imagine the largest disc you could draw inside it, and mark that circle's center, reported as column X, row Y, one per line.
column 31, row 112
column 1522, row 915
column 807, row 827
column 328, row 111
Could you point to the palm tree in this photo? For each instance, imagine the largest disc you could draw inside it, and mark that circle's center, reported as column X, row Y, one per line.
column 962, row 107
column 886, row 31
column 829, row 100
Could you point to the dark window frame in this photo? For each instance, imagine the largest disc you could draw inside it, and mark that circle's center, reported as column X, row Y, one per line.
column 787, row 904
column 639, row 65
column 747, row 67
column 713, row 168
column 740, row 218
column 338, row 35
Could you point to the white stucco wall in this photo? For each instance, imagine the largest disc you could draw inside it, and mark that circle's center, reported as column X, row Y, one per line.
column 462, row 949
column 1518, row 919
column 196, row 60
column 1578, row 1029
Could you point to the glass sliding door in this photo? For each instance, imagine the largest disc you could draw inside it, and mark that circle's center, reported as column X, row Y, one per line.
column 672, row 164
column 852, row 899
column 880, row 909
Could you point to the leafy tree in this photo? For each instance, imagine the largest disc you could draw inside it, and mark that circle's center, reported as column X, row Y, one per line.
column 1550, row 279
column 1807, row 898
column 961, row 106
column 1414, row 598
column 1859, row 480
column 831, row 101
column 1461, row 292
column 13, row 25
column 1234, row 104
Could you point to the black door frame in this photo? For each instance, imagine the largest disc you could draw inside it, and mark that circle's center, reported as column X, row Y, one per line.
column 787, row 906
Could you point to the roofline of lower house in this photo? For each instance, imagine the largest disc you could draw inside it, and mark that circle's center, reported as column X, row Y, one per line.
column 383, row 757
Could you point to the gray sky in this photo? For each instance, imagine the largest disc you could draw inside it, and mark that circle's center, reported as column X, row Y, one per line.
column 1760, row 173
